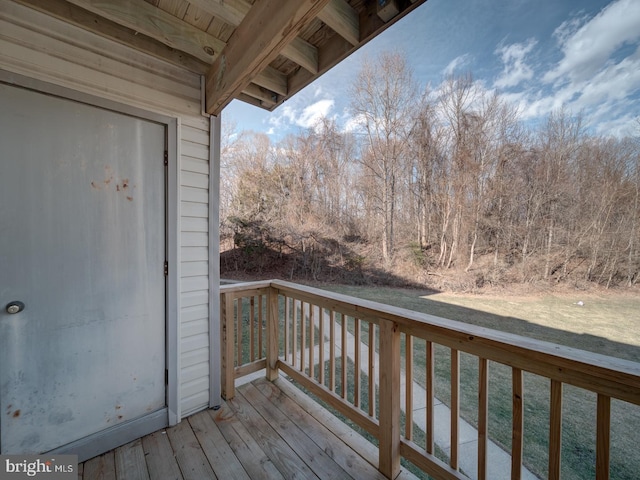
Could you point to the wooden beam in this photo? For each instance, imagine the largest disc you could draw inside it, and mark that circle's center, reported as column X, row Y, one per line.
column 234, row 11
column 302, row 53
column 387, row 9
column 157, row 24
column 272, row 79
column 86, row 20
column 342, row 19
column 268, row 98
column 229, row 11
column 254, row 44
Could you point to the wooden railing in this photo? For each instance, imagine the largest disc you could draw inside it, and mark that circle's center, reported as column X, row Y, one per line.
column 358, row 357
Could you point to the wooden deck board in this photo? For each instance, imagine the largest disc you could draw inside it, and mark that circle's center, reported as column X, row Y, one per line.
column 220, row 455
column 130, row 463
column 100, row 468
column 347, row 458
column 255, row 461
column 282, row 456
column 314, row 457
column 191, row 459
column 268, row 431
column 161, row 461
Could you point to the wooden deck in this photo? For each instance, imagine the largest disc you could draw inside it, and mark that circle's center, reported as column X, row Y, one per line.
column 268, row 431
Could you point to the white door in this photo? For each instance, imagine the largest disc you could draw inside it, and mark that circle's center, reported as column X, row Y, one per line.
column 82, row 246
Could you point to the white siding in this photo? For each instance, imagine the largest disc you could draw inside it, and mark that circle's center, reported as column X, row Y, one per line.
column 35, row 45
column 194, row 268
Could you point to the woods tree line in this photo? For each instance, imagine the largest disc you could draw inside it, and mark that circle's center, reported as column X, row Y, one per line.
column 444, row 185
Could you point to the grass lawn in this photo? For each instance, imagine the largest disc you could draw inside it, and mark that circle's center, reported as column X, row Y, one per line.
column 607, row 324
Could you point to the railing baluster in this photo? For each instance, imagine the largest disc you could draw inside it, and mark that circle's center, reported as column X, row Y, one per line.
column 372, row 369
column 252, row 321
column 344, row 356
column 455, row 407
column 321, row 344
column 429, row 358
column 287, row 336
column 312, row 330
column 239, row 335
column 227, row 325
column 332, row 351
column 294, row 334
column 483, row 416
column 555, row 430
column 356, row 360
column 603, row 436
column 261, row 326
column 518, row 424
column 272, row 336
column 303, row 335
column 408, row 378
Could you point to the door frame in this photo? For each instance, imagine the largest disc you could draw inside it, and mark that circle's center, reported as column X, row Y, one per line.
column 107, row 439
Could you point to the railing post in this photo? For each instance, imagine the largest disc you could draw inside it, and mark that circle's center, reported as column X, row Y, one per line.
column 603, row 436
column 272, row 335
column 227, row 328
column 389, row 450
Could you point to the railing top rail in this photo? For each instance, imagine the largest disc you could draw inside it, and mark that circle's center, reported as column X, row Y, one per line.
column 240, row 286
column 599, row 373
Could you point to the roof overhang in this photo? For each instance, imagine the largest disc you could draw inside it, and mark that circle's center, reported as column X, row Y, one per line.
column 261, row 51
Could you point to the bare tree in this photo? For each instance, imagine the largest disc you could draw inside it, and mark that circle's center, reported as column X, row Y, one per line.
column 383, row 97
column 452, row 172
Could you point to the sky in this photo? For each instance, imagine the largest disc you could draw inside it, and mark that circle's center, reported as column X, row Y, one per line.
column 541, row 55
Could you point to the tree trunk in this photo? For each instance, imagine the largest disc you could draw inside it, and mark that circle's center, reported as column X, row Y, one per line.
column 547, row 262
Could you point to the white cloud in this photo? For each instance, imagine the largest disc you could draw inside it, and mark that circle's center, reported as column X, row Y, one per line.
column 539, row 105
column 625, row 125
column 306, row 117
column 515, row 69
column 594, row 76
column 614, row 82
column 568, row 28
column 314, row 112
column 354, row 124
column 588, row 48
column 456, row 64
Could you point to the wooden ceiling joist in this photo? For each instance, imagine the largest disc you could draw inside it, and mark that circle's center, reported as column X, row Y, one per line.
column 272, row 79
column 143, row 17
column 302, row 53
column 343, row 20
column 234, row 11
column 268, row 27
column 332, row 52
column 268, row 99
column 337, row 48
